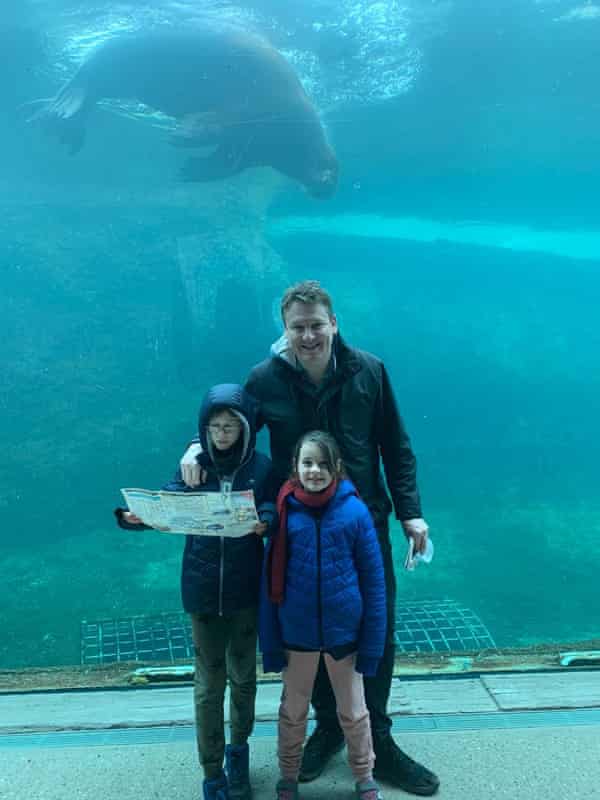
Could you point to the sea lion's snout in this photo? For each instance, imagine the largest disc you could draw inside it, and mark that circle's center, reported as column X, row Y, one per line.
column 325, row 183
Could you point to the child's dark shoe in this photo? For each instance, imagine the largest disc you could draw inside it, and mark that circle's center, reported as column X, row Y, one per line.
column 215, row 788
column 237, row 767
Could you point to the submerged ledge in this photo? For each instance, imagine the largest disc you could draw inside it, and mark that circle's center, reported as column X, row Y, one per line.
column 571, row 244
column 121, row 675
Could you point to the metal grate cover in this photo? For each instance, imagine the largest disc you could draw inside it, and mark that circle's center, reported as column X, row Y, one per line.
column 423, row 627
column 165, row 637
column 413, row 723
column 435, row 626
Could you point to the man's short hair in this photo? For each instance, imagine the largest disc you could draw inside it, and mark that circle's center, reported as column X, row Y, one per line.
column 309, row 292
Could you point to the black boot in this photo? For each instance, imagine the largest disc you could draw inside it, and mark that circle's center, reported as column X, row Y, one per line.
column 322, row 744
column 393, row 766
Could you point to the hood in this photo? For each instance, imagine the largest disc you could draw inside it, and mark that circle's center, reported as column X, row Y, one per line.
column 234, row 397
column 345, row 489
column 281, row 349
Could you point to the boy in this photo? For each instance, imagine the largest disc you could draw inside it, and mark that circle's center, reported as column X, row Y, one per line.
column 220, row 580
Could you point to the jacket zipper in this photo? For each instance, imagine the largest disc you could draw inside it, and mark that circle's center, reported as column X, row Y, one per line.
column 221, row 570
column 319, row 593
column 226, row 486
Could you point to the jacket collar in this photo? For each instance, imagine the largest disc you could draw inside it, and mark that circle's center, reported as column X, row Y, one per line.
column 343, row 359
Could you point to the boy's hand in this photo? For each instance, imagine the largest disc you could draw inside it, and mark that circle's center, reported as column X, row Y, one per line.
column 131, row 518
column 260, row 528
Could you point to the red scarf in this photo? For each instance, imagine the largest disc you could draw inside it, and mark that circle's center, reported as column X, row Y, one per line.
column 278, row 555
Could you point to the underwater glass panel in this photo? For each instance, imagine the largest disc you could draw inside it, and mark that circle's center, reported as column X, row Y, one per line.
column 461, row 245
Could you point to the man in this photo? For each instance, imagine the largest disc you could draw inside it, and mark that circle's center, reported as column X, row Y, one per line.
column 314, row 380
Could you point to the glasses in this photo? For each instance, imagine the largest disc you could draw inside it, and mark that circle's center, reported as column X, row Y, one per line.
column 226, row 429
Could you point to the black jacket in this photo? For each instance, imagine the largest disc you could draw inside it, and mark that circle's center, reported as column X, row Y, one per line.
column 356, row 405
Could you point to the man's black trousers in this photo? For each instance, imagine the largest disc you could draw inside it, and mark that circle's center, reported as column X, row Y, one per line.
column 377, row 689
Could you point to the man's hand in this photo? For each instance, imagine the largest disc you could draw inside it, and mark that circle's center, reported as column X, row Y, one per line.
column 417, row 530
column 191, row 472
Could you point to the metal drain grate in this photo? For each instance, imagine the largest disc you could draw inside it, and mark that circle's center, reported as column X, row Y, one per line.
column 425, row 627
column 165, row 637
column 411, row 723
column 439, row 626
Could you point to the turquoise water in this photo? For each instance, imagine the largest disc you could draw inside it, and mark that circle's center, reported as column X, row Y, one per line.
column 463, row 247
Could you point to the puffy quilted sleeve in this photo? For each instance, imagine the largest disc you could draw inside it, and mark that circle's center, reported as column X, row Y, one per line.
column 369, row 565
column 269, row 631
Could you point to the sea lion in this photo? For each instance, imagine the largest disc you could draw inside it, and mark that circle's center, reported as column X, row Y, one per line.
column 226, row 88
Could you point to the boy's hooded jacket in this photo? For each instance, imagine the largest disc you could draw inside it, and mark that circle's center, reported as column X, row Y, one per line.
column 334, row 586
column 221, row 575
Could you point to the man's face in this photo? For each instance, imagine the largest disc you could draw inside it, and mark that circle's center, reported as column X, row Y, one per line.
column 310, row 331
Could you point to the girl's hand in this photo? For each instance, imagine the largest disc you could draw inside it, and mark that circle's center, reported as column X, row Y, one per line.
column 131, row 518
column 260, row 528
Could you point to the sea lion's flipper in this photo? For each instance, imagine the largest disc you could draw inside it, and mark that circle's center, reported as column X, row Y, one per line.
column 228, row 159
column 63, row 116
column 198, row 130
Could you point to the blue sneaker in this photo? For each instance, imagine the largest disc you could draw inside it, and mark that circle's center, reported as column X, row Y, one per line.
column 237, row 767
column 215, row 788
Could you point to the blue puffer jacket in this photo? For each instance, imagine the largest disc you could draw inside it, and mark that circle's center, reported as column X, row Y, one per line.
column 334, row 587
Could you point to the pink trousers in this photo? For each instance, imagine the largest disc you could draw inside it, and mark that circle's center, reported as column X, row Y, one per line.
column 347, row 684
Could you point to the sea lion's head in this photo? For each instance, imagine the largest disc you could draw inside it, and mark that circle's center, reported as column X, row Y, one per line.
column 294, row 143
column 322, row 181
column 310, row 159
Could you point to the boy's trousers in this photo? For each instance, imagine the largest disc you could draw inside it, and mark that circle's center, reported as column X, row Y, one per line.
column 298, row 679
column 225, row 649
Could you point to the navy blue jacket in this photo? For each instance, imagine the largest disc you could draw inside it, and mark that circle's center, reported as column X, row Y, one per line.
column 221, row 575
column 334, row 585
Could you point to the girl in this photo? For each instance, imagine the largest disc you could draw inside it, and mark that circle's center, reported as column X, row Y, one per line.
column 323, row 593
